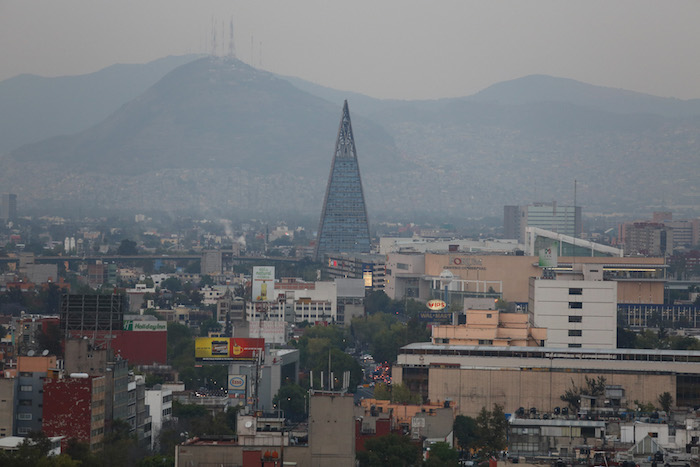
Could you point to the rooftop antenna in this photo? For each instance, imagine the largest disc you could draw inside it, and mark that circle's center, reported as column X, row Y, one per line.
column 260, row 59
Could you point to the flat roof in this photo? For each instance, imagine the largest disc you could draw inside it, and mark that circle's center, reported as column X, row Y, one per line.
column 556, row 422
column 550, row 352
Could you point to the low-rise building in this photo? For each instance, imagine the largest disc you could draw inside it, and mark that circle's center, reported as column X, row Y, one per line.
column 491, row 327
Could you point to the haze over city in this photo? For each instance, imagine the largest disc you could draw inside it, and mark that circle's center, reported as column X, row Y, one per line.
column 502, row 265
column 389, row 49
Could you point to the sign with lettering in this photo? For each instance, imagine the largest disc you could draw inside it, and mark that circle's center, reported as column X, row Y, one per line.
column 436, row 304
column 444, row 317
column 131, row 325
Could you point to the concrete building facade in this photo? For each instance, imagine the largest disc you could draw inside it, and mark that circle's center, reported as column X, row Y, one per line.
column 576, row 313
column 480, row 376
column 549, row 216
column 160, row 407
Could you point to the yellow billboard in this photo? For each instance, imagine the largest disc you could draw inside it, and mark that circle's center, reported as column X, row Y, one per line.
column 211, row 347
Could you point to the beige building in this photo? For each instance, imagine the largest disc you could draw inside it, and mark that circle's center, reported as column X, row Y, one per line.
column 491, row 327
column 473, row 377
column 640, row 280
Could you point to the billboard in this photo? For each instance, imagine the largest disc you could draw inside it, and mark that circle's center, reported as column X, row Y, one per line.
column 436, row 305
column 236, row 385
column 274, row 332
column 367, row 272
column 131, row 325
column 263, row 287
column 227, row 349
column 548, row 256
column 442, row 317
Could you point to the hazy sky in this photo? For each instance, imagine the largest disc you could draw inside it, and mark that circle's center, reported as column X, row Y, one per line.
column 409, row 49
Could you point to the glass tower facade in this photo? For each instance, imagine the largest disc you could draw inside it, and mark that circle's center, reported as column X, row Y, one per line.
column 343, row 227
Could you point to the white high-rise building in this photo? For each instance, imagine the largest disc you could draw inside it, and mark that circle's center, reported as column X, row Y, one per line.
column 576, row 313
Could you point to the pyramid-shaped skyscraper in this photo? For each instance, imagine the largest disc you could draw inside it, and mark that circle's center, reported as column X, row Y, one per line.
column 344, row 227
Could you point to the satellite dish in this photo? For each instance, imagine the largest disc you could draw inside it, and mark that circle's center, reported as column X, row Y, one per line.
column 45, row 352
column 30, row 353
column 248, row 424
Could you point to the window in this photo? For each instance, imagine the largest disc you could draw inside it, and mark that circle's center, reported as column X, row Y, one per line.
column 485, row 342
column 575, row 319
column 24, row 416
column 575, row 291
column 489, row 315
column 25, row 402
column 23, row 430
column 576, row 305
column 574, row 333
column 25, row 388
column 574, row 346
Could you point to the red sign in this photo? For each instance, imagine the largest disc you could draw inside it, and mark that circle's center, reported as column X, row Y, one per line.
column 245, row 348
column 437, row 304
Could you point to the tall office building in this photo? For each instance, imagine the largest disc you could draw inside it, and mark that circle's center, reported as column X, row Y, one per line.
column 565, row 220
column 8, row 207
column 344, row 227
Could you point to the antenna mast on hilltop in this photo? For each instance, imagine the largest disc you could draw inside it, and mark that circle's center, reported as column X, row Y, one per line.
column 213, row 36
column 231, row 43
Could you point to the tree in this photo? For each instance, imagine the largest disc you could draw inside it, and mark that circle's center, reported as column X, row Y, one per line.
column 397, row 393
column 400, row 394
column 442, row 454
column 382, row 392
column 173, row 284
column 392, row 449
column 492, row 427
column 127, row 248
column 594, row 387
column 206, row 280
column 120, row 448
column 209, row 325
column 291, row 398
column 665, row 401
column 377, row 301
column 465, row 430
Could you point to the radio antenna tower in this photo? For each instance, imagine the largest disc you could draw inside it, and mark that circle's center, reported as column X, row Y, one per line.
column 213, row 36
column 231, row 44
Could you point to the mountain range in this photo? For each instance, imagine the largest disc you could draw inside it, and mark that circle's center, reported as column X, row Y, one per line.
column 214, row 135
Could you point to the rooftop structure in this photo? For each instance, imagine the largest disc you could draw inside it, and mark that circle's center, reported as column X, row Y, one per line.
column 491, row 327
column 536, row 239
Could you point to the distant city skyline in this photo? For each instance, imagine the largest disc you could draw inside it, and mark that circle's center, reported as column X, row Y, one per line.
column 390, row 49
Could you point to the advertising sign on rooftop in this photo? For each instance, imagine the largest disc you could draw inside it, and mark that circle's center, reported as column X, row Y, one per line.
column 436, row 317
column 548, row 256
column 131, row 325
column 436, row 304
column 263, row 288
column 227, row 349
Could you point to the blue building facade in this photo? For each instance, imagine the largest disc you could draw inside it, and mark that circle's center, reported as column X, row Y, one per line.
column 344, row 227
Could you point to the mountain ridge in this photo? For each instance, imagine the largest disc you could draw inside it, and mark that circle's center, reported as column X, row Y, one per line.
column 219, row 134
